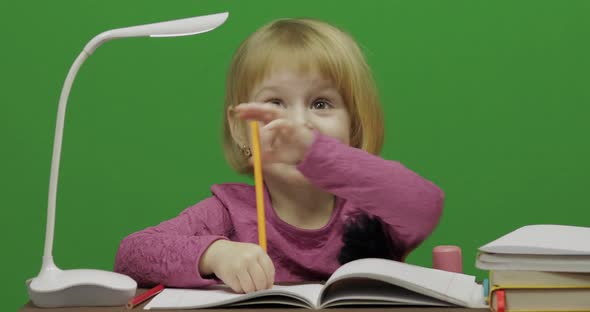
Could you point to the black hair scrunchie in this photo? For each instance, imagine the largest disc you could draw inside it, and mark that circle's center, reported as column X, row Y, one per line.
column 366, row 237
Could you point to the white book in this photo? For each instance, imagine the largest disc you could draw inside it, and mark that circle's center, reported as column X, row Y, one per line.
column 360, row 282
column 543, row 239
column 547, row 267
column 486, row 261
column 542, row 247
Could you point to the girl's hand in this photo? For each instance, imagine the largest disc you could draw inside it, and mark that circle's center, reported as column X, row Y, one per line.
column 282, row 140
column 244, row 267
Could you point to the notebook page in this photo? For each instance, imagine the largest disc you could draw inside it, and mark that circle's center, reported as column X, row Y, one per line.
column 364, row 291
column 172, row 298
column 450, row 287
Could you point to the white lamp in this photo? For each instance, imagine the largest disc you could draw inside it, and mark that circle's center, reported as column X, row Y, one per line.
column 54, row 287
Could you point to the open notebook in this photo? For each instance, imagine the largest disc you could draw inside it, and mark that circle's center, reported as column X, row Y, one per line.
column 360, row 282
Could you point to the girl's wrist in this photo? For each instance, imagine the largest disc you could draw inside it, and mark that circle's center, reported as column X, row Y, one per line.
column 208, row 258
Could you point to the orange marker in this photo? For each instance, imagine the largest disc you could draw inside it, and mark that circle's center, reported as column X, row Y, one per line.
column 258, row 184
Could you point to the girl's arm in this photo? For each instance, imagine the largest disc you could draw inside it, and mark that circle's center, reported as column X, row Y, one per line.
column 170, row 252
column 408, row 203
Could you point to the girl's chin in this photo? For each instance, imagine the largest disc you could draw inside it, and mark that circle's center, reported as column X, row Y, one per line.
column 286, row 173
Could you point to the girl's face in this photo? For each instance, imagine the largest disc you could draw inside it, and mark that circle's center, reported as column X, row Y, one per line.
column 308, row 98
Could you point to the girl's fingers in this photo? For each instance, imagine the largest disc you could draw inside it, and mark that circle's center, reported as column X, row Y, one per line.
column 269, row 269
column 269, row 157
column 257, row 111
column 283, row 125
column 268, row 137
column 234, row 284
column 254, row 105
column 276, row 132
column 258, row 276
column 246, row 281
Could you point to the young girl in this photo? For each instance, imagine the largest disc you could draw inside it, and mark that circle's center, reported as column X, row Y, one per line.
column 329, row 198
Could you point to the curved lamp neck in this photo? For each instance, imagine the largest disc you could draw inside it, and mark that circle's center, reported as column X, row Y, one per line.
column 55, row 159
column 181, row 27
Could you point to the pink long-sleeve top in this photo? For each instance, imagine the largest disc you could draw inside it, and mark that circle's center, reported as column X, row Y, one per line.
column 408, row 205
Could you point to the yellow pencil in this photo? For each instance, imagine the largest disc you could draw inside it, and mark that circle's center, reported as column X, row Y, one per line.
column 258, row 184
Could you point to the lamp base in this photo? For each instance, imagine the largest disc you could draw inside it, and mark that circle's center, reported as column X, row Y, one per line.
column 83, row 287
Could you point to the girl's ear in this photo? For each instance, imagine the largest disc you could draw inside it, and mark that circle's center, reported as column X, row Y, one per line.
column 236, row 127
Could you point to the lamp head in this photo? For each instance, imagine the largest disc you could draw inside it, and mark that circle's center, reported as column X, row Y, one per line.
column 181, row 27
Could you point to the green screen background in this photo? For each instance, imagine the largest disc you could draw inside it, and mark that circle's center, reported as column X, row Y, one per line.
column 488, row 99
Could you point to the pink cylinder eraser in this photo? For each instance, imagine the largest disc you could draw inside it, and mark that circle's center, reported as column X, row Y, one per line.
column 447, row 258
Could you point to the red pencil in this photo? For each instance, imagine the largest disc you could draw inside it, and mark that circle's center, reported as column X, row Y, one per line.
column 145, row 296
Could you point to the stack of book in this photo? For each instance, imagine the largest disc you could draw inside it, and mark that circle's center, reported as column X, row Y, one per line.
column 539, row 268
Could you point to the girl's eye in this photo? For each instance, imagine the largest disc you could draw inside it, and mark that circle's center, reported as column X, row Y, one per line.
column 274, row 101
column 321, row 104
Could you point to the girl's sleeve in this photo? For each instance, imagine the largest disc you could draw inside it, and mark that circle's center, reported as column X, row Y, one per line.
column 169, row 253
column 410, row 205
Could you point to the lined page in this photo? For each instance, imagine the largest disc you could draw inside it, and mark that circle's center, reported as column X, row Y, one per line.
column 172, row 298
column 455, row 288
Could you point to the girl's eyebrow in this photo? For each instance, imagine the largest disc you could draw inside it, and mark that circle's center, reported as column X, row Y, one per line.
column 320, row 86
column 267, row 88
column 327, row 87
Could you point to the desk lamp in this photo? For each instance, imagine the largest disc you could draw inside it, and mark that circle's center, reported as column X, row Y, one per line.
column 54, row 287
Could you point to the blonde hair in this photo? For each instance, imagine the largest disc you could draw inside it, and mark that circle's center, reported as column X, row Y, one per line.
column 304, row 44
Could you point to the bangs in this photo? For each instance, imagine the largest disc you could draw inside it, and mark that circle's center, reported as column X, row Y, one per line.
column 295, row 47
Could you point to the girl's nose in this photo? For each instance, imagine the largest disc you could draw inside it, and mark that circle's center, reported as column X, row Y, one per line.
column 303, row 119
column 299, row 114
